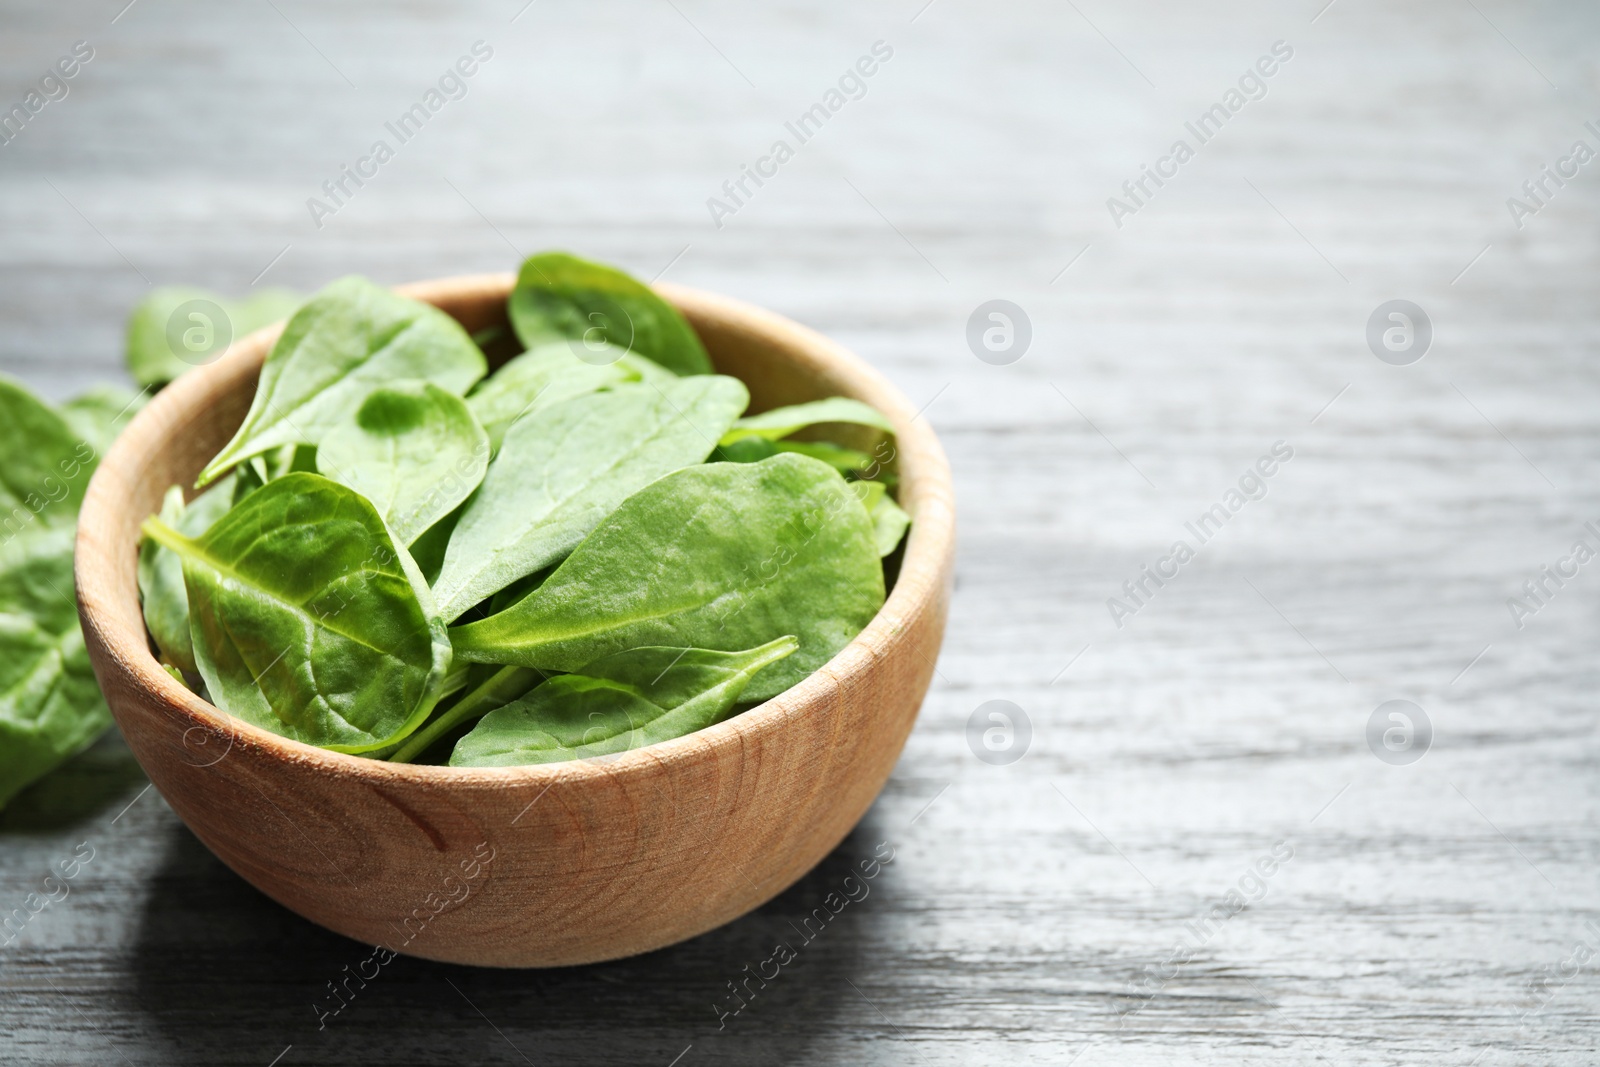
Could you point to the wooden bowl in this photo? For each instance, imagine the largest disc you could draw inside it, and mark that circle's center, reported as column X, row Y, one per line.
column 539, row 866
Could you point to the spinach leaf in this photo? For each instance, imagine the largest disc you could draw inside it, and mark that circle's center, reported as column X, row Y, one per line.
column 844, row 460
column 717, row 556
column 349, row 339
column 646, row 370
column 537, row 379
column 561, row 297
column 558, row 475
column 100, row 414
column 499, row 687
column 781, row 422
column 166, row 340
column 50, row 705
column 44, row 464
column 889, row 522
column 308, row 620
column 161, row 589
column 755, row 449
column 622, row 702
column 413, row 450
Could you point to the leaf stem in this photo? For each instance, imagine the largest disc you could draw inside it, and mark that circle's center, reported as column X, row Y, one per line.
column 164, row 535
column 499, row 688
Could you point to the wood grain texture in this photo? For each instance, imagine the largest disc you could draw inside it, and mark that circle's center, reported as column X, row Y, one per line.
column 1415, row 917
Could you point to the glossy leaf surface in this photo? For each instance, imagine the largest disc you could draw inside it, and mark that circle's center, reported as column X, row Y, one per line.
column 308, row 621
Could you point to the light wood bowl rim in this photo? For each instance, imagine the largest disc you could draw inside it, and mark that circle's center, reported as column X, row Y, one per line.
column 925, row 567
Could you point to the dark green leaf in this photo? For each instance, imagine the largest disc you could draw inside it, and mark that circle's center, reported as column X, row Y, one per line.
column 561, row 297
column 622, row 702
column 308, row 621
column 349, row 339
column 720, row 556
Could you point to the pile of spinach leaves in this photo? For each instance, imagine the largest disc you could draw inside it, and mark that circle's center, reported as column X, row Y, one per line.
column 50, row 705
column 593, row 549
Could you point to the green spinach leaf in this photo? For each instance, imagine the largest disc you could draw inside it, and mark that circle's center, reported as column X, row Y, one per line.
column 497, row 688
column 161, row 589
column 561, row 297
column 50, row 705
column 537, row 379
column 558, row 475
column 781, row 422
column 889, row 522
column 413, row 450
column 622, row 702
column 100, row 414
column 718, row 556
column 167, row 339
column 308, row 620
column 646, row 370
column 349, row 339
column 44, row 464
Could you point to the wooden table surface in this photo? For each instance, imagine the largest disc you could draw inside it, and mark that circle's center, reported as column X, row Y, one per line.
column 1073, row 905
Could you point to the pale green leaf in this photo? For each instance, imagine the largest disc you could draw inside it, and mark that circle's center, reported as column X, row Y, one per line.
column 781, row 422
column 537, row 379
column 349, row 339
column 619, row 703
column 413, row 450
column 559, row 473
column 178, row 328
column 889, row 522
